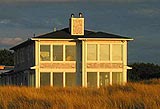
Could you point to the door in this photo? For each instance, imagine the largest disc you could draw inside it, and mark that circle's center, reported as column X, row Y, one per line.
column 104, row 79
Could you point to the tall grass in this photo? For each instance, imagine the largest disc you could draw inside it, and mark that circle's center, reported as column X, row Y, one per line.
column 130, row 96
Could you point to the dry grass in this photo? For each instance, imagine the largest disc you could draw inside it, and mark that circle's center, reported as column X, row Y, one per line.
column 130, row 96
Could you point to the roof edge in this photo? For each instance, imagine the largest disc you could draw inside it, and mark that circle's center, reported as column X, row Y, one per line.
column 128, row 39
column 21, row 44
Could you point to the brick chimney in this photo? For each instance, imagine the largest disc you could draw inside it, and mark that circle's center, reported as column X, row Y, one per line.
column 77, row 25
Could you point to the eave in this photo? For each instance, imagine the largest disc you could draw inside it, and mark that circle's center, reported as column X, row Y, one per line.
column 117, row 39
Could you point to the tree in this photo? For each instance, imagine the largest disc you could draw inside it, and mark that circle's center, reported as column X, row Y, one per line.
column 6, row 57
column 143, row 71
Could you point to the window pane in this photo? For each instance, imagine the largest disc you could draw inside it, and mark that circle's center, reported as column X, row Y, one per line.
column 45, row 79
column 45, row 52
column 58, row 79
column 117, row 52
column 104, row 52
column 91, row 52
column 70, row 79
column 57, row 53
column 92, row 79
column 32, row 78
column 70, row 52
column 116, row 77
column 104, row 79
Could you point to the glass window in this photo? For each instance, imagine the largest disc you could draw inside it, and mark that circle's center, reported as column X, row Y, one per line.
column 104, row 79
column 117, row 52
column 91, row 52
column 104, row 52
column 44, row 79
column 32, row 78
column 58, row 79
column 92, row 79
column 70, row 79
column 57, row 52
column 45, row 52
column 70, row 52
column 116, row 77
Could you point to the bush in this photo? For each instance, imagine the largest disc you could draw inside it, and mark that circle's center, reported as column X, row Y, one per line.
column 143, row 71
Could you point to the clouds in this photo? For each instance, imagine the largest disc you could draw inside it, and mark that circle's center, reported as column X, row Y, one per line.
column 147, row 11
column 10, row 41
column 117, row 1
column 4, row 21
column 37, row 0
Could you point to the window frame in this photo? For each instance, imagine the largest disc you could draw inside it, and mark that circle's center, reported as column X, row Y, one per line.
column 63, row 54
column 109, row 56
column 98, row 52
column 96, row 55
column 52, row 79
column 50, row 54
column 118, row 81
column 49, row 78
column 53, row 52
column 115, row 60
column 66, row 53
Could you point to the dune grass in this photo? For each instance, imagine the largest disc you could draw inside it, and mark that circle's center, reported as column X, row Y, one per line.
column 130, row 96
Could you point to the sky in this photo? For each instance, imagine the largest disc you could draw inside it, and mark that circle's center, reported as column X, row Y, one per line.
column 138, row 19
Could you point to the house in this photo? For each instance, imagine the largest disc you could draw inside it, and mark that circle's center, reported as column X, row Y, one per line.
column 4, row 72
column 71, row 57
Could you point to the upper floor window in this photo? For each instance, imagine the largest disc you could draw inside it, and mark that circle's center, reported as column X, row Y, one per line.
column 57, row 52
column 70, row 51
column 117, row 52
column 91, row 52
column 45, row 52
column 104, row 52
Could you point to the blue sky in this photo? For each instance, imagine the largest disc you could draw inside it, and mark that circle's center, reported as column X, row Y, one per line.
column 139, row 19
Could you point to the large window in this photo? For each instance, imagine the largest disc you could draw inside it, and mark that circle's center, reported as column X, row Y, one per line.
column 45, row 52
column 64, row 78
column 116, row 52
column 104, row 52
column 70, row 79
column 58, row 79
column 101, row 52
column 57, row 52
column 91, row 52
column 45, row 79
column 92, row 79
column 70, row 53
column 100, row 79
column 116, row 77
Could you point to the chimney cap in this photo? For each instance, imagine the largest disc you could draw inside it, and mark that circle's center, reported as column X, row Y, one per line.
column 80, row 14
column 72, row 15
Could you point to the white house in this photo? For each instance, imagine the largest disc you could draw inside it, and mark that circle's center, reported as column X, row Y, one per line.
column 71, row 57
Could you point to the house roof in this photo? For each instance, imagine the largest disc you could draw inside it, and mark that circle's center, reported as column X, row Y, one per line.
column 27, row 42
column 65, row 34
